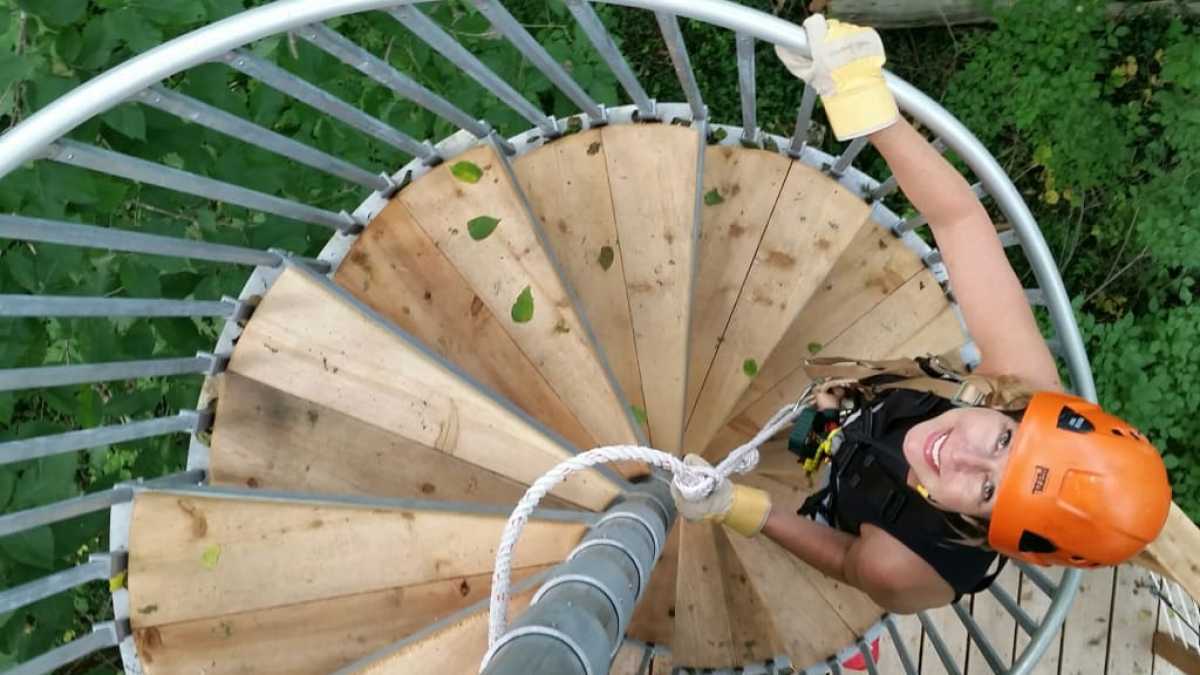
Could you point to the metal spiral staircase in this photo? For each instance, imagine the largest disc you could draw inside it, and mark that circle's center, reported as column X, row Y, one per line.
column 489, row 309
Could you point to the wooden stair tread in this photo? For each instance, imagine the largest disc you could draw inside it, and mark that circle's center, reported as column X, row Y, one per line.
column 810, row 628
column 456, row 648
column 397, row 270
column 315, row 637
column 309, row 340
column 501, row 267
column 567, row 184
column 748, row 183
column 652, row 173
column 266, row 438
column 755, row 638
column 914, row 320
column 703, row 635
column 193, row 556
column 813, row 223
column 874, row 266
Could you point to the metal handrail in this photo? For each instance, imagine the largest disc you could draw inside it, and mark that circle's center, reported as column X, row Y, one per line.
column 41, row 136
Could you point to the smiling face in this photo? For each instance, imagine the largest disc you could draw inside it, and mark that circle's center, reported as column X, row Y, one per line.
column 959, row 456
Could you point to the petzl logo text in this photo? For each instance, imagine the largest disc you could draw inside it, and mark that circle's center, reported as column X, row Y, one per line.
column 1039, row 481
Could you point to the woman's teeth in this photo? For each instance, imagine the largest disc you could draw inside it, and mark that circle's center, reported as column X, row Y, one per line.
column 937, row 451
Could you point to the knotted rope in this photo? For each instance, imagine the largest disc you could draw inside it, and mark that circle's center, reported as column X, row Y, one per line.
column 693, row 482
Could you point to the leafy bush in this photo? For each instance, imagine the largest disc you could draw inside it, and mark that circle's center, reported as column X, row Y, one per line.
column 48, row 47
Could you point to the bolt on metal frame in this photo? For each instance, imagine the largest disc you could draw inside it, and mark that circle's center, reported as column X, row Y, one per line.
column 42, row 136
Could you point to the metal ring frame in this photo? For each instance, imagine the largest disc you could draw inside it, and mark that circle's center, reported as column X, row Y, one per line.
column 37, row 136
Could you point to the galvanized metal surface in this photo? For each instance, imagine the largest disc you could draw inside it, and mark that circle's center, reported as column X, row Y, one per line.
column 85, row 306
column 98, row 567
column 668, row 25
column 103, row 635
column 14, row 379
column 939, row 645
column 747, row 87
column 45, row 446
column 603, row 41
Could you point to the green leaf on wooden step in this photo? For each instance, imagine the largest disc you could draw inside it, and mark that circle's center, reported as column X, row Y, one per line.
column 639, row 414
column 607, row 256
column 116, row 583
column 210, row 557
column 750, row 367
column 482, row 227
column 713, row 197
column 522, row 309
column 467, row 172
column 814, row 347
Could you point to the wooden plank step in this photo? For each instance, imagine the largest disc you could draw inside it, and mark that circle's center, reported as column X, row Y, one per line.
column 652, row 170
column 814, row 221
column 916, row 319
column 266, row 438
column 875, row 265
column 567, row 184
column 703, row 636
column 1133, row 618
column 741, row 190
column 307, row 638
column 310, row 339
column 512, row 263
column 455, row 647
column 1085, row 633
column 397, row 270
column 196, row 554
column 754, row 637
column 809, row 627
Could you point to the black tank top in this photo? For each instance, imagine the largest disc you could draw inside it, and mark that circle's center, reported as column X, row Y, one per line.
column 869, row 486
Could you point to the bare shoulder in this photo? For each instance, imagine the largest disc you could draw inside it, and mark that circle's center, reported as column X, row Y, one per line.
column 893, row 575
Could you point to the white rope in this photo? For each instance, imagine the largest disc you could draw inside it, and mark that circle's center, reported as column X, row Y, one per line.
column 694, row 483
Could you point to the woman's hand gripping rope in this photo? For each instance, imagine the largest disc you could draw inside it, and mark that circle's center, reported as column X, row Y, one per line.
column 701, row 491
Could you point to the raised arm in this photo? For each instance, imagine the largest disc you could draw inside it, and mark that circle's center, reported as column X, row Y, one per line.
column 846, row 68
column 988, row 291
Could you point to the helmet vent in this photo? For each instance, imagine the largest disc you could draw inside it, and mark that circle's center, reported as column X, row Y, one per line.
column 1070, row 420
column 1035, row 543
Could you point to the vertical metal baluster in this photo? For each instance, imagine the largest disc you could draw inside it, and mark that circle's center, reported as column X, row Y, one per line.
column 343, row 49
column 981, row 641
column 201, row 113
column 803, row 121
column 46, row 446
column 1007, row 601
column 441, row 41
column 848, row 156
column 598, row 34
column 939, row 645
column 885, row 188
column 906, row 660
column 103, row 635
column 540, row 58
column 668, row 24
column 868, row 657
column 747, row 86
column 66, row 151
column 281, row 80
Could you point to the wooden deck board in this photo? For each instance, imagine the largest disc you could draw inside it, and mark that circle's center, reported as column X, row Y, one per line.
column 995, row 622
column 193, row 557
column 568, row 188
column 397, row 270
column 652, row 173
column 748, row 183
column 755, row 637
column 307, row 341
column 1133, row 620
column 501, row 266
column 814, row 222
column 1085, row 633
column 266, row 438
column 308, row 638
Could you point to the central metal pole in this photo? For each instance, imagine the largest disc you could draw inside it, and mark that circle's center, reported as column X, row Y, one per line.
column 578, row 617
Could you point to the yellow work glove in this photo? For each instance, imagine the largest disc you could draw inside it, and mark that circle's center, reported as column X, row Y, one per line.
column 743, row 509
column 846, row 69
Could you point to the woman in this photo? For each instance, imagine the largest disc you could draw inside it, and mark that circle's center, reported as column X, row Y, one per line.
column 924, row 490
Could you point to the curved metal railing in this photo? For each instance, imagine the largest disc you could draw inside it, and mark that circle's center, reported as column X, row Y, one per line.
column 141, row 79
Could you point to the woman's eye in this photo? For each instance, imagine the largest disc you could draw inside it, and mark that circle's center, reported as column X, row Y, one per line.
column 989, row 491
column 1005, row 439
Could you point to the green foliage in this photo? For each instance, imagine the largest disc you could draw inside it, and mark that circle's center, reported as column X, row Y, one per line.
column 481, row 227
column 522, row 309
column 47, row 47
column 1098, row 121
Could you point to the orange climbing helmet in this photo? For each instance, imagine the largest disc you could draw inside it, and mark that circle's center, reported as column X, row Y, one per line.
column 1082, row 487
